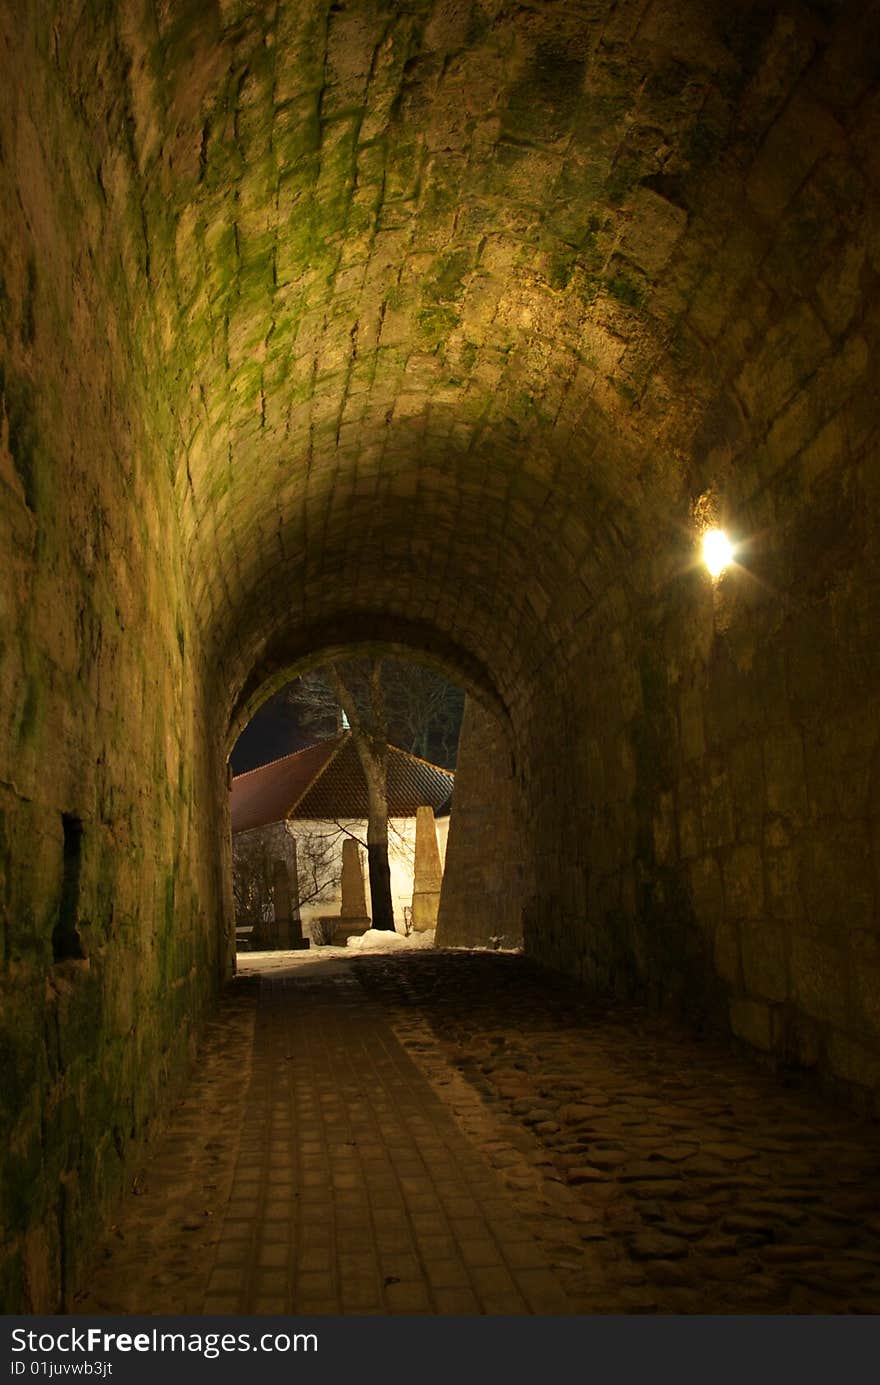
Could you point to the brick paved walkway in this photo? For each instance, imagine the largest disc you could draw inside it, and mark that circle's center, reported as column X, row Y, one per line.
column 462, row 1133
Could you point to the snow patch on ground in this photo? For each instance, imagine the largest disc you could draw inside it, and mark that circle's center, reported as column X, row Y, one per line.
column 383, row 938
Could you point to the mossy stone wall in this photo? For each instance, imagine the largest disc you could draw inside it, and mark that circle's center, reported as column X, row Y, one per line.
column 109, row 878
column 441, row 326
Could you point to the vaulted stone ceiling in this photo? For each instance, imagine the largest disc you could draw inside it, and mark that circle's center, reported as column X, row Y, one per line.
column 445, row 291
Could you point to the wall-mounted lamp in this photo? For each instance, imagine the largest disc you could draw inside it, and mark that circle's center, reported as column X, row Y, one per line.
column 718, row 551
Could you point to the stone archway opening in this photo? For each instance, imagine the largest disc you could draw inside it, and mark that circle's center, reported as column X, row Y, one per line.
column 298, row 865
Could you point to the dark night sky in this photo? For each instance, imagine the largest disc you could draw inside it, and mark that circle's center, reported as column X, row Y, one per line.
column 273, row 731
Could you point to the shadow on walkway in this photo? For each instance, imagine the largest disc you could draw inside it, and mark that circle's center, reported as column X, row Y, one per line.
column 452, row 1132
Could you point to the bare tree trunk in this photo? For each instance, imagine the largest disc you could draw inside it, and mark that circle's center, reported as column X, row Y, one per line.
column 372, row 750
column 377, row 840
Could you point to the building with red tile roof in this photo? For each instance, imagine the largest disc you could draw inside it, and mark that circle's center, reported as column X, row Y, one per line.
column 300, row 809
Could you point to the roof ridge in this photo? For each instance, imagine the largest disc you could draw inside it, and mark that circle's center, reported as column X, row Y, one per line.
column 341, row 738
column 430, row 763
column 290, row 756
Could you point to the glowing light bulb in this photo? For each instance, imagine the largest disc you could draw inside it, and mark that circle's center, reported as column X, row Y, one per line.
column 717, row 551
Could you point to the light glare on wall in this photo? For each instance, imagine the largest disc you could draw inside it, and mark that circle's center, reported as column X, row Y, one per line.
column 717, row 551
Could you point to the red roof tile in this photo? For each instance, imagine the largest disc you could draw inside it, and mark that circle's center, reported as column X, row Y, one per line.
column 326, row 781
column 266, row 794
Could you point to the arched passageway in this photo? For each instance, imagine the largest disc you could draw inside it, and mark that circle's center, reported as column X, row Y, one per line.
column 452, row 328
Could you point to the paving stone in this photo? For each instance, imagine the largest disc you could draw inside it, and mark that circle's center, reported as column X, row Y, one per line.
column 724, row 1267
column 586, row 1173
column 670, row 1272
column 741, row 1221
column 733, row 1152
column 541, row 1291
column 606, row 1159
column 697, row 1212
column 403, row 1196
column 410, row 1297
column 644, row 1171
column 675, row 1153
column 652, row 1246
column 458, row 1301
column 421, row 1194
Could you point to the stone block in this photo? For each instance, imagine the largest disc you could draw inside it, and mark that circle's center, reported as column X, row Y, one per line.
column 341, row 929
column 829, row 445
column 864, row 983
column 706, row 893
column 752, row 1020
column 853, row 1060
column 784, row 773
column 838, row 756
column 747, row 787
column 788, row 355
column 725, row 951
column 781, row 877
column 839, row 289
column 818, row 979
column 811, row 424
column 743, row 873
column 717, row 810
column 664, row 830
column 690, row 827
column 717, row 296
column 42, row 1271
column 763, row 947
column 793, row 145
column 837, row 883
column 652, row 229
column 802, row 1038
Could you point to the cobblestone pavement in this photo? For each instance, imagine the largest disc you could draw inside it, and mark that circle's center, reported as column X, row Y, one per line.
column 451, row 1132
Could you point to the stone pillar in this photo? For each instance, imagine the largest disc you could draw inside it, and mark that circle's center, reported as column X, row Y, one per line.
column 354, row 897
column 428, row 873
column 271, row 934
column 295, row 940
column 281, row 897
column 353, row 916
column 481, row 901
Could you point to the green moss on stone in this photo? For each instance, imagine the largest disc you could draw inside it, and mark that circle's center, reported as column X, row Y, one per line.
column 436, row 323
column 24, row 442
column 542, row 104
column 448, row 281
column 702, row 144
column 624, row 176
column 624, row 389
column 561, row 268
column 30, row 714
column 21, row 1175
column 625, row 290
column 28, row 311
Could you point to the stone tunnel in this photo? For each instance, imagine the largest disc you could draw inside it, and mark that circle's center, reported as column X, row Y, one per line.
column 446, row 327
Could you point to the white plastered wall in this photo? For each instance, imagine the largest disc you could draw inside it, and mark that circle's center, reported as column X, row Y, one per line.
column 316, row 837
